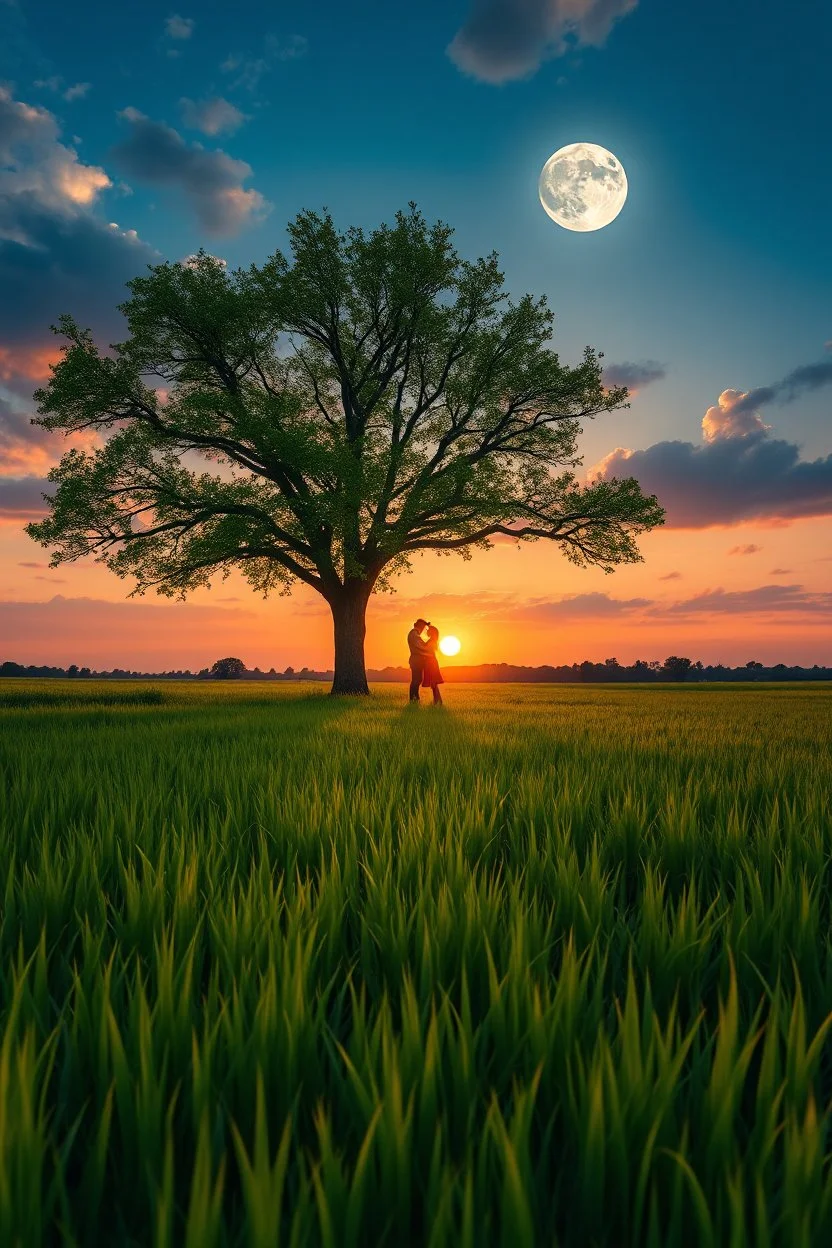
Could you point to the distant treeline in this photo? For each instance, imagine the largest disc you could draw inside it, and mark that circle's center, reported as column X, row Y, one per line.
column 674, row 668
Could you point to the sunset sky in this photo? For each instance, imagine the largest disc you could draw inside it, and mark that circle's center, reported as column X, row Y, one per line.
column 132, row 134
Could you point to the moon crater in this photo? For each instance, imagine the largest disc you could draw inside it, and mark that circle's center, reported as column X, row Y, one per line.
column 583, row 187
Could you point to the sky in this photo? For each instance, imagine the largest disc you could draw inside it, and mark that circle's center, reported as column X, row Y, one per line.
column 134, row 134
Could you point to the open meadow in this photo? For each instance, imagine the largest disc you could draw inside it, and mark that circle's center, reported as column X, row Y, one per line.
column 548, row 966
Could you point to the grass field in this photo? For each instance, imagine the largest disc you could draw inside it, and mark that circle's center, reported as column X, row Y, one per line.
column 550, row 966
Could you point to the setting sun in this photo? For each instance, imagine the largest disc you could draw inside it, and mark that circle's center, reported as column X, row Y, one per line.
column 450, row 645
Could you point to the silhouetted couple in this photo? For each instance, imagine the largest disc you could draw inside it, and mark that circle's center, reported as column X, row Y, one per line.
column 424, row 665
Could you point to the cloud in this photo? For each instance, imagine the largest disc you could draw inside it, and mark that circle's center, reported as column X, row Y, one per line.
column 33, row 163
column 33, row 565
column 671, row 576
column 210, row 181
column 31, row 363
column 78, row 91
column 737, row 411
column 70, row 262
column 733, row 415
column 248, row 71
column 27, row 450
column 494, row 605
column 765, row 599
column 583, row 607
column 738, row 472
column 508, row 39
column 214, row 116
column 750, row 549
column 56, row 254
column 634, row 376
column 779, row 571
column 177, row 27
column 20, row 498
column 727, row 481
column 22, row 451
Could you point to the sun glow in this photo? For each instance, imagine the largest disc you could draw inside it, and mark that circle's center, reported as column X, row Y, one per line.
column 450, row 645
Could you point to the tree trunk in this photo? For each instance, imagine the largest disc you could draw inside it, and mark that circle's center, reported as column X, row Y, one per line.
column 348, row 614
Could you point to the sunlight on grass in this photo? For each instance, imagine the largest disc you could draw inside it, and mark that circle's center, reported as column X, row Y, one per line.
column 548, row 965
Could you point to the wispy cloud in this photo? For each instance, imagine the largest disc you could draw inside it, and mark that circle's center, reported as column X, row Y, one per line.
column 75, row 92
column 634, row 376
column 765, row 599
column 246, row 72
column 494, row 606
column 749, row 549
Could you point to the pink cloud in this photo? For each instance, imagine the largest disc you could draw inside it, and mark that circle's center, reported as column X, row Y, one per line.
column 27, row 450
column 30, row 363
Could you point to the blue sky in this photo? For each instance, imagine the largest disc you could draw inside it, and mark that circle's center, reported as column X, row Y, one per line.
column 715, row 277
column 719, row 266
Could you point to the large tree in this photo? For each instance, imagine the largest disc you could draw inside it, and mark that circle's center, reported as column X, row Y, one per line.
column 323, row 419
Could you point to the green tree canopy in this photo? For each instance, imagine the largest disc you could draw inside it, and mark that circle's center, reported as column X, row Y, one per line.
column 326, row 419
column 228, row 669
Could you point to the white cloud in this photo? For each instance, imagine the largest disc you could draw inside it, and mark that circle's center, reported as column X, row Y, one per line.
column 78, row 91
column 34, row 163
column 177, row 27
column 731, row 417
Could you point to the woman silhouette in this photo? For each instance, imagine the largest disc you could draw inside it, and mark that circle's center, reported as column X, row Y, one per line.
column 432, row 677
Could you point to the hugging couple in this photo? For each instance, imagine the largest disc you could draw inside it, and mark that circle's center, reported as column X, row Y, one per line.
column 424, row 665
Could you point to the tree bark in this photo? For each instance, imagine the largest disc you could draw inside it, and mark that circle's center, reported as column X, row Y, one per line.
column 349, row 609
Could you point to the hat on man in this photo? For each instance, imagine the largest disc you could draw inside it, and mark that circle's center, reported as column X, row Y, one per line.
column 416, row 623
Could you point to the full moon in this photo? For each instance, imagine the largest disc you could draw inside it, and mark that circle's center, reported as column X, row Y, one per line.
column 450, row 645
column 583, row 186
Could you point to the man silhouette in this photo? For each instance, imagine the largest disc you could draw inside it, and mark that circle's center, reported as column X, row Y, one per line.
column 418, row 652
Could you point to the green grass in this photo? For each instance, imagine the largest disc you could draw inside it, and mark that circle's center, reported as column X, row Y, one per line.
column 550, row 966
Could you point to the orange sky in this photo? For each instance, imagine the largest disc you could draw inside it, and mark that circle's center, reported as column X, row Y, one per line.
column 756, row 590
column 729, row 416
column 691, row 596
